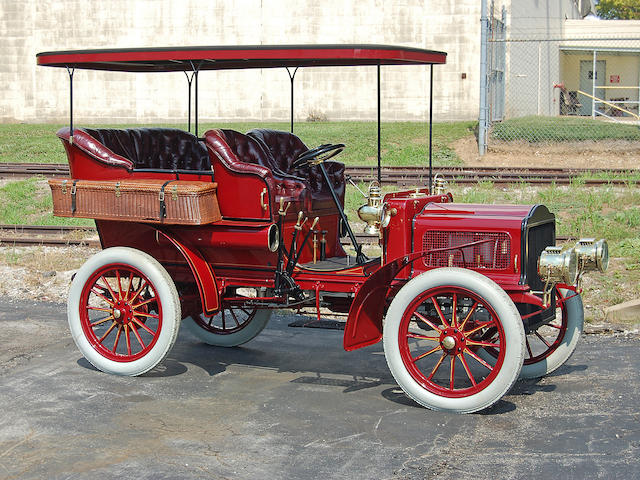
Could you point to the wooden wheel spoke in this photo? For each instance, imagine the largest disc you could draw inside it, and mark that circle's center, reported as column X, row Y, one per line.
column 115, row 344
column 466, row 319
column 478, row 359
column 452, row 371
column 435, row 369
column 113, row 295
column 235, row 319
column 483, row 344
column 120, row 297
column 428, row 322
column 110, row 302
column 143, row 284
column 465, row 365
column 109, row 330
column 479, row 327
column 528, row 347
column 143, row 326
column 543, row 340
column 99, row 309
column 126, row 336
column 138, row 305
column 143, row 314
column 137, row 335
column 435, row 349
column 422, row 337
column 454, row 320
column 126, row 294
column 440, row 314
column 106, row 319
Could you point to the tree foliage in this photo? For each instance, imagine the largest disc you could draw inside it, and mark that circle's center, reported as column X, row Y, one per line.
column 619, row 9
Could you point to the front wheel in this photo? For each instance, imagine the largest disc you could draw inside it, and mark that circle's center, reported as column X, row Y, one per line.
column 433, row 330
column 123, row 311
column 550, row 346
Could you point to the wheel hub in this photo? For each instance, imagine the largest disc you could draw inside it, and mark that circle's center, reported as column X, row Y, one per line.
column 122, row 313
column 448, row 342
column 452, row 341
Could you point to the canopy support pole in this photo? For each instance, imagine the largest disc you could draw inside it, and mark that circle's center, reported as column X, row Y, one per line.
column 431, row 129
column 292, row 77
column 379, row 133
column 70, row 71
column 189, row 82
column 195, row 69
column 195, row 119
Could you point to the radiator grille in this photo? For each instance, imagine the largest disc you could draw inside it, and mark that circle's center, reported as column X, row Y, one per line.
column 490, row 250
column 538, row 238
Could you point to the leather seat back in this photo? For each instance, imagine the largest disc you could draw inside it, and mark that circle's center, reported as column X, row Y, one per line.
column 283, row 147
column 161, row 148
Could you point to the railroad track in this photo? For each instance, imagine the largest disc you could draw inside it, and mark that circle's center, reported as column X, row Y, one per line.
column 48, row 235
column 65, row 236
column 416, row 175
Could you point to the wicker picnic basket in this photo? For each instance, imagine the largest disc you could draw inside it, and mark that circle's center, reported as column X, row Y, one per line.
column 155, row 201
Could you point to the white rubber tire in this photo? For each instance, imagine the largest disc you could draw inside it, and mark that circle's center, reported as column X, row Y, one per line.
column 575, row 326
column 249, row 332
column 507, row 315
column 167, row 294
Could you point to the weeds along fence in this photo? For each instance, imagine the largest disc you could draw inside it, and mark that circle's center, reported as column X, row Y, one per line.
column 550, row 90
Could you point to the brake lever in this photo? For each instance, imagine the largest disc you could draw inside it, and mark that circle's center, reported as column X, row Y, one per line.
column 348, row 179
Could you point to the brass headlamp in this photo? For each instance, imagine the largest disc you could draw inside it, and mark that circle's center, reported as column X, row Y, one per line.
column 375, row 213
column 592, row 255
column 556, row 266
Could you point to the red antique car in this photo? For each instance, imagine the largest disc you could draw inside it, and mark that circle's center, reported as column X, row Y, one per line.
column 215, row 231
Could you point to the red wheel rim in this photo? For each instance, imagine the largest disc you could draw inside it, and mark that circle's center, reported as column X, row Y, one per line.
column 542, row 342
column 120, row 312
column 547, row 341
column 229, row 320
column 438, row 336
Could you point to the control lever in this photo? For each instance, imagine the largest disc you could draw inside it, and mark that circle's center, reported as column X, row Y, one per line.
column 304, row 242
column 296, row 228
column 281, row 214
column 348, row 179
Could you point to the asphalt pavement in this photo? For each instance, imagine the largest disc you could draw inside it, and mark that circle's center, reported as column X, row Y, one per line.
column 293, row 404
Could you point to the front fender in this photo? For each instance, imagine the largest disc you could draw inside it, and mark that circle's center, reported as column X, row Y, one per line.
column 364, row 323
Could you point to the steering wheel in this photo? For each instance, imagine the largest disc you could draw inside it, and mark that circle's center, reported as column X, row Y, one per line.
column 317, row 155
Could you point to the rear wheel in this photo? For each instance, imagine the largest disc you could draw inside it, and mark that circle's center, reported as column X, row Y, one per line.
column 431, row 336
column 123, row 311
column 230, row 327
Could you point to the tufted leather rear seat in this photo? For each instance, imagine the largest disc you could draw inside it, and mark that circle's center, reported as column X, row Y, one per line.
column 157, row 148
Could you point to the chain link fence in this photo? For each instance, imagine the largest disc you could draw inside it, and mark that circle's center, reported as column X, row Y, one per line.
column 550, row 90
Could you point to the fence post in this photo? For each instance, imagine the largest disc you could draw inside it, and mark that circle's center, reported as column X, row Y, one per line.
column 483, row 113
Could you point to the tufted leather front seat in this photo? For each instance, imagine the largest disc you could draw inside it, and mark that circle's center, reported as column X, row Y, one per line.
column 242, row 172
column 158, row 148
column 284, row 148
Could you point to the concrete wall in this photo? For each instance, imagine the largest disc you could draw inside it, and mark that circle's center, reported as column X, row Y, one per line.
column 39, row 94
column 533, row 67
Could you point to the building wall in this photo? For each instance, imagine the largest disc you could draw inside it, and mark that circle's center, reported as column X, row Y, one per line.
column 622, row 56
column 533, row 61
column 39, row 94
